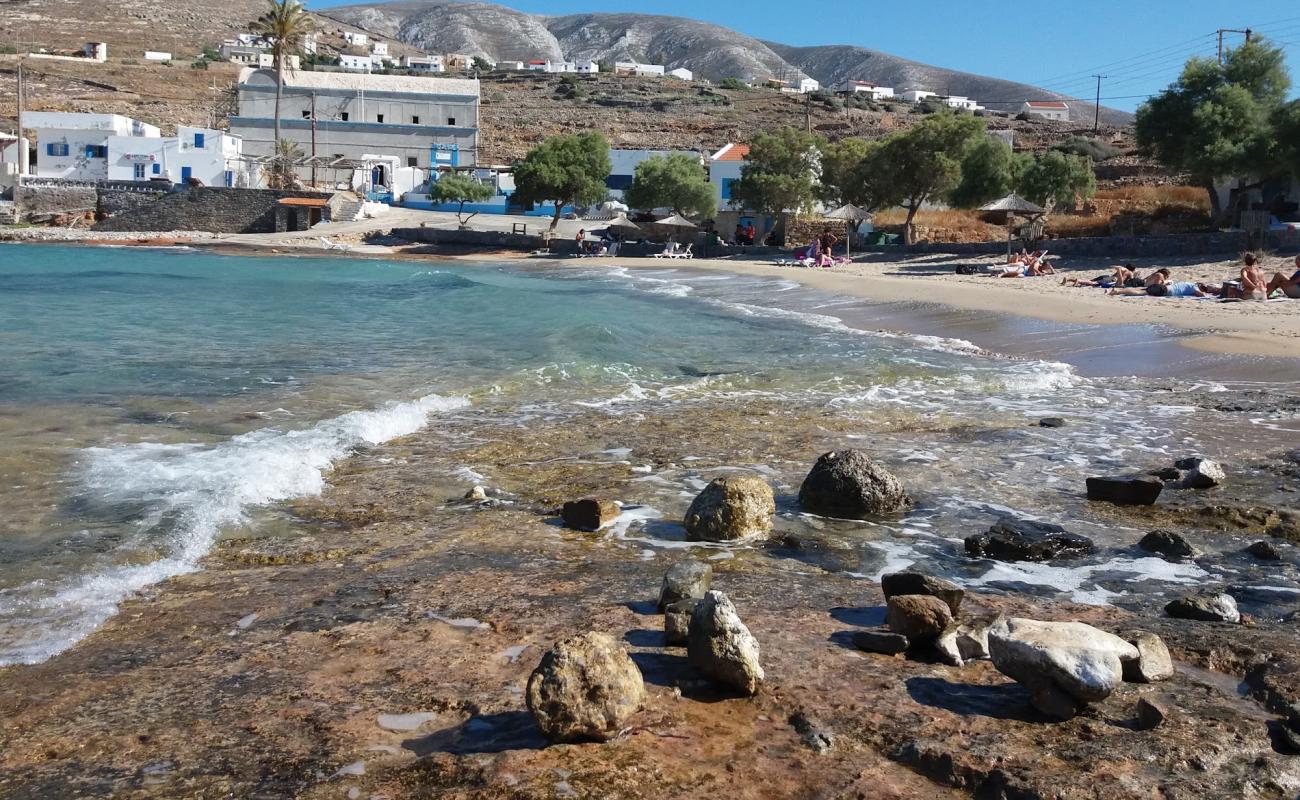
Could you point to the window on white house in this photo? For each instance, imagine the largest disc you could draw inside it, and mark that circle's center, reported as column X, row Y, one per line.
column 306, row 115
column 379, row 117
column 411, row 161
column 57, row 149
column 344, row 116
column 139, row 172
column 415, row 120
column 451, row 120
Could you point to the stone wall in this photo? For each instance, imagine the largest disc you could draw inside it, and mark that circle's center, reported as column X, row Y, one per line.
column 40, row 202
column 205, row 208
column 114, row 200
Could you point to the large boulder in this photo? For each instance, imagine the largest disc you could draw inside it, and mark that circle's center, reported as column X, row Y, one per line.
column 1059, row 660
column 898, row 583
column 1013, row 539
column 1125, row 491
column 1168, row 544
column 685, row 580
column 720, row 646
column 919, row 617
column 731, row 508
column 1217, row 607
column 848, row 484
column 589, row 514
column 585, row 688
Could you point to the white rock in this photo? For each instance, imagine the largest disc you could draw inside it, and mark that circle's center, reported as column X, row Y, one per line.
column 720, row 645
column 1081, row 660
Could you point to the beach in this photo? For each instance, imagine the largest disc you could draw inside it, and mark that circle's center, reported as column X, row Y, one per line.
column 249, row 558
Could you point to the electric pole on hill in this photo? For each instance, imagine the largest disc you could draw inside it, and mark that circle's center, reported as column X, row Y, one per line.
column 1096, row 117
column 1248, row 32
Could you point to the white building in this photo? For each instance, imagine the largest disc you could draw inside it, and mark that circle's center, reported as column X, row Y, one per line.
column 156, row 55
column 310, row 44
column 724, row 170
column 423, row 63
column 623, row 164
column 917, row 95
column 586, row 67
column 210, row 156
column 379, row 49
column 807, row 85
column 682, row 74
column 379, row 62
column 356, row 39
column 1053, row 110
column 962, row 103
column 421, row 121
column 638, row 69
column 355, row 63
column 871, row 90
column 74, row 146
column 95, row 51
column 538, row 66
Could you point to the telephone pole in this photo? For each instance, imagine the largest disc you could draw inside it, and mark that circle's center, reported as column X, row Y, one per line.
column 1096, row 118
column 1248, row 33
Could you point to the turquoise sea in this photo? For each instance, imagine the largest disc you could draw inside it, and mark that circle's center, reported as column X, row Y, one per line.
column 152, row 401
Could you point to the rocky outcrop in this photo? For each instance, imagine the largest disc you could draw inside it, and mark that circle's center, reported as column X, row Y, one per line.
column 921, row 618
column 722, row 647
column 1205, row 608
column 899, row 583
column 848, row 484
column 585, row 688
column 1168, row 544
column 1065, row 665
column 1125, row 491
column 1012, row 539
column 685, row 580
column 589, row 514
column 730, row 509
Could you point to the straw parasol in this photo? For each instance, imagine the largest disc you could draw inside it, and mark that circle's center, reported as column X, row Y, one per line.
column 678, row 222
column 849, row 213
column 623, row 225
column 1014, row 205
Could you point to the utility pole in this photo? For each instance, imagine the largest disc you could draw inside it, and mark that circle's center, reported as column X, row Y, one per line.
column 1248, row 33
column 807, row 112
column 1096, row 119
column 20, row 147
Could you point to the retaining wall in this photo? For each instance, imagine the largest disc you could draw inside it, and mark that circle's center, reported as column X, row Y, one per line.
column 203, row 208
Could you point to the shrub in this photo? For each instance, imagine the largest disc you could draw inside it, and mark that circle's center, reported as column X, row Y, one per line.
column 1095, row 149
column 201, row 63
column 735, row 84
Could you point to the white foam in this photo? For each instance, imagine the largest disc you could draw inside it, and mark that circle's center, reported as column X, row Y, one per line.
column 1072, row 580
column 196, row 490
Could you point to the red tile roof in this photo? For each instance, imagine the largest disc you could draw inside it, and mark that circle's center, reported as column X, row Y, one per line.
column 1044, row 104
column 732, row 152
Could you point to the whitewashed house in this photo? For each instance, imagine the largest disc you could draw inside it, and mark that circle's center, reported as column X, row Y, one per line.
column 724, row 170
column 423, row 63
column 1053, row 110
column 157, row 55
column 681, row 74
column 871, row 90
column 511, row 66
column 917, row 95
column 962, row 103
column 310, row 44
column 638, row 69
column 586, row 67
column 623, row 164
column 210, row 156
column 74, row 146
column 807, row 85
column 379, row 49
column 95, row 51
column 354, row 63
column 356, row 39
column 538, row 66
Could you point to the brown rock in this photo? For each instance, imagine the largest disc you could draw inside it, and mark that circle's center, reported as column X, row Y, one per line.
column 919, row 617
column 1151, row 713
column 1153, row 662
column 585, row 688
column 732, row 508
column 589, row 514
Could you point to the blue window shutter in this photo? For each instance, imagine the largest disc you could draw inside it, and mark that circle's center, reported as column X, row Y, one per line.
column 49, row 149
column 199, row 140
column 157, row 169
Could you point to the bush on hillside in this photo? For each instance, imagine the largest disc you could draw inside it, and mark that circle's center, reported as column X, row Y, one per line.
column 1095, row 149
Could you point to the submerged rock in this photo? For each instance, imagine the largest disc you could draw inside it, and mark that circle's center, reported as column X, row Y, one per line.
column 585, row 688
column 589, row 514
column 721, row 646
column 1064, row 664
column 900, row 583
column 1012, row 539
column 1168, row 543
column 848, row 484
column 1264, row 551
column 677, row 622
column 1125, row 491
column 1205, row 608
column 731, row 508
column 1153, row 662
column 1200, row 473
column 919, row 617
column 1051, row 422
column 880, row 641
column 684, row 580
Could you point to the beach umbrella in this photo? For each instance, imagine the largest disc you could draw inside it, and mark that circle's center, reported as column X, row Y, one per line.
column 624, row 225
column 1013, row 205
column 678, row 222
column 850, row 214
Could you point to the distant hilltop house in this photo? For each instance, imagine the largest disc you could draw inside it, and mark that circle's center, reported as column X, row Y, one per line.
column 871, row 90
column 157, row 55
column 682, row 74
column 562, row 67
column 355, row 63
column 423, row 63
column 253, row 55
column 94, row 52
column 638, row 69
column 379, row 49
column 1054, row 110
column 356, row 39
column 961, row 103
column 917, row 95
column 100, row 147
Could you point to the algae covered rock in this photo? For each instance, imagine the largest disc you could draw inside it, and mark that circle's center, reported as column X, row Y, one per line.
column 585, row 689
column 731, row 508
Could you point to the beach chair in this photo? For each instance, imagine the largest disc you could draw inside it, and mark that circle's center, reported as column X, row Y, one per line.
column 670, row 251
column 684, row 253
column 328, row 245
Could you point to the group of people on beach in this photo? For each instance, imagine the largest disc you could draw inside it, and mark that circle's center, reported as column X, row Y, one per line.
column 1028, row 265
column 1250, row 283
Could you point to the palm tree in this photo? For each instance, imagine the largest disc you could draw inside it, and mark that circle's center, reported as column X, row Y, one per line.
column 285, row 25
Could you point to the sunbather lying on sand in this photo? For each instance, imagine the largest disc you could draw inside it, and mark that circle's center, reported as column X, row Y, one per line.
column 1287, row 286
column 1120, row 276
column 1169, row 289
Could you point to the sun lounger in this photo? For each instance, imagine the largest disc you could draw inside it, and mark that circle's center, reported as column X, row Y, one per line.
column 669, row 251
column 328, row 245
column 685, row 253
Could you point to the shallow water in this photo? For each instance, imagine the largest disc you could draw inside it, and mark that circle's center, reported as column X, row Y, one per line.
column 152, row 402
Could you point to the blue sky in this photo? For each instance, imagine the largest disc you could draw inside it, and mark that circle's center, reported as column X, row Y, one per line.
column 1139, row 44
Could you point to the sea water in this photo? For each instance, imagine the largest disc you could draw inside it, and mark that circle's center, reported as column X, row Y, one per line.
column 154, row 401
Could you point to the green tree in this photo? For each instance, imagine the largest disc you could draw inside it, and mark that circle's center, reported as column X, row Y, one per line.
column 482, row 65
column 918, row 165
column 1287, row 123
column 285, row 25
column 1217, row 120
column 989, row 170
column 780, row 173
column 840, row 162
column 675, row 181
column 459, row 188
column 734, row 84
column 1058, row 179
column 564, row 170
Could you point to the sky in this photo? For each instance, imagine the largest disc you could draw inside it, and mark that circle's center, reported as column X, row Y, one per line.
column 1140, row 45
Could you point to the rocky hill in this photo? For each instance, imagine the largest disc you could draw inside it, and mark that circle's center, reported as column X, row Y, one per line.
column 711, row 51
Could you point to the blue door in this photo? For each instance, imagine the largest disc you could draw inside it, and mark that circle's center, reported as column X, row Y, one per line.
column 186, row 172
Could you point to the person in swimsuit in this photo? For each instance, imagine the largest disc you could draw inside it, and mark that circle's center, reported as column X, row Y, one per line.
column 1287, row 286
column 1251, row 286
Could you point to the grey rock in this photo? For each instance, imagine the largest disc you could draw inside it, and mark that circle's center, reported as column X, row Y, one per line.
column 1264, row 551
column 589, row 514
column 971, row 637
column 919, row 617
column 477, row 494
column 1051, row 422
column 1169, row 544
column 1153, row 662
column 1200, row 473
column 721, row 646
column 1012, row 539
column 684, row 580
column 1125, row 491
column 1054, row 702
column 585, row 688
column 1151, row 713
column 1077, row 659
column 731, row 508
column 848, row 484
column 880, row 642
column 1205, row 608
column 813, row 734
column 677, row 622
column 918, row 583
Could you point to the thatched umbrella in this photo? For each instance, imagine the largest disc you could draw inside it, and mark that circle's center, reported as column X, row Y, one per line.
column 1013, row 205
column 676, row 222
column 624, row 225
column 850, row 214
